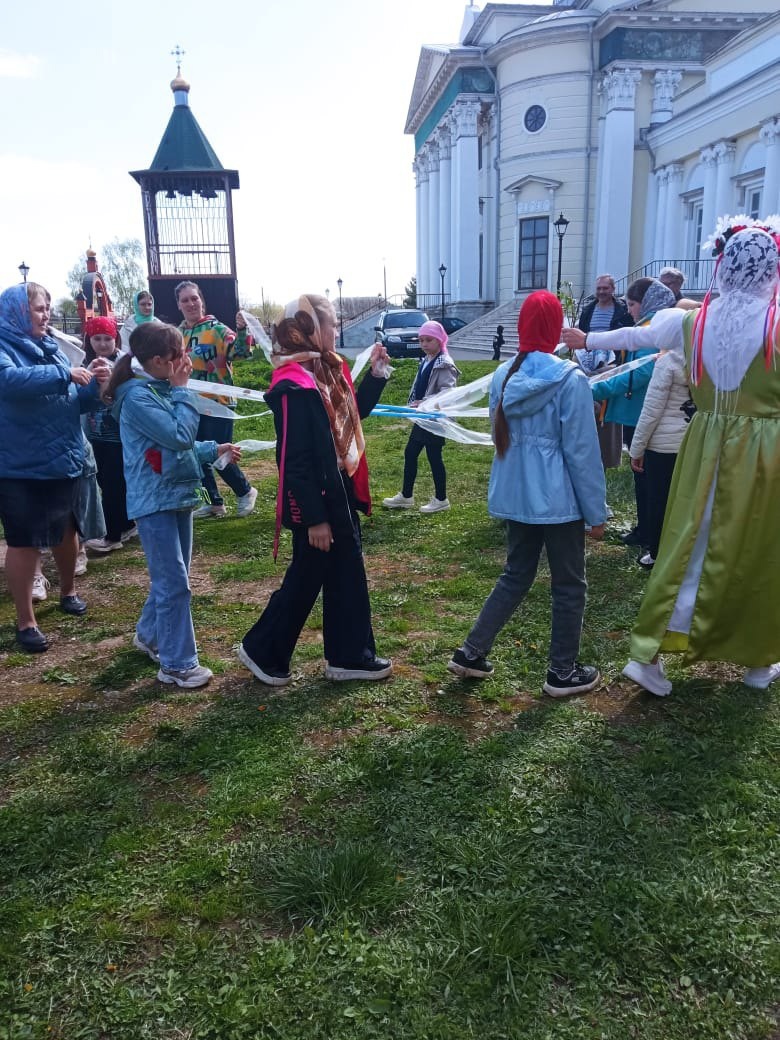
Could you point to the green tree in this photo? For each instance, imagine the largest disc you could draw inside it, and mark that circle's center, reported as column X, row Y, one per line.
column 121, row 264
column 410, row 293
column 66, row 307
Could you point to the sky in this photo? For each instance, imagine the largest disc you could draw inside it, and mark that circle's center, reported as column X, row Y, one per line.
column 306, row 98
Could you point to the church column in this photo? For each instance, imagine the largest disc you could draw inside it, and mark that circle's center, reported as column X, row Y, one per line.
column 433, row 211
column 465, row 196
column 770, row 135
column 725, row 202
column 665, row 83
column 662, row 181
column 673, row 217
column 445, row 201
column 416, row 166
column 709, row 161
column 422, row 271
column 617, row 171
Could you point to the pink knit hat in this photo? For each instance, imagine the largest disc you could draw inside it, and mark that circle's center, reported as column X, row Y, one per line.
column 435, row 331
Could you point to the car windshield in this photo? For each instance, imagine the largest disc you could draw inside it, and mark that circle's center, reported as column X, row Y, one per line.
column 405, row 320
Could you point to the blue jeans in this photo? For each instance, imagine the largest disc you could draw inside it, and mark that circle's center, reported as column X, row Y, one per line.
column 215, row 428
column 165, row 623
column 565, row 545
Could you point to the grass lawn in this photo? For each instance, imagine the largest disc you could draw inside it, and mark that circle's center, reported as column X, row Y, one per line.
column 424, row 858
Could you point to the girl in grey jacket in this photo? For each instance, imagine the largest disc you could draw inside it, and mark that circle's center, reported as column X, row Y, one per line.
column 437, row 372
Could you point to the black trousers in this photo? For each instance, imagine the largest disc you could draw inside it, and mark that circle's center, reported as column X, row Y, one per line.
column 659, row 469
column 640, row 492
column 434, row 446
column 346, row 611
column 111, row 478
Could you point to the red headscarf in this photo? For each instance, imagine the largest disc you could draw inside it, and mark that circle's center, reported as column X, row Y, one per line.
column 100, row 326
column 539, row 322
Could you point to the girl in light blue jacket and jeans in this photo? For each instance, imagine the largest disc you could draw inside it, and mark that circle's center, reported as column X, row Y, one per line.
column 547, row 482
column 158, row 421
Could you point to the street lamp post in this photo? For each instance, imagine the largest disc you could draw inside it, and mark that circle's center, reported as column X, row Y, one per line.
column 442, row 272
column 339, row 283
column 560, row 225
column 24, row 270
column 384, row 275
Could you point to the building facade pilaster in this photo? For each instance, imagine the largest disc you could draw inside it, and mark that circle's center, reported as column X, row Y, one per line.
column 770, row 135
column 665, row 83
column 724, row 191
column 673, row 215
column 465, row 201
column 433, row 209
column 613, row 233
column 445, row 200
column 709, row 161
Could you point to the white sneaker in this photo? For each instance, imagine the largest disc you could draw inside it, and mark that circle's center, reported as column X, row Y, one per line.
column 208, row 510
column 81, row 562
column 245, row 504
column 399, row 501
column 145, row 649
column 269, row 678
column 131, row 532
column 39, row 587
column 760, row 678
column 610, row 514
column 436, row 505
column 649, row 676
column 189, row 680
column 101, row 545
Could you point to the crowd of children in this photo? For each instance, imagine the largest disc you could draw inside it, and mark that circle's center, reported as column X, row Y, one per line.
column 705, row 441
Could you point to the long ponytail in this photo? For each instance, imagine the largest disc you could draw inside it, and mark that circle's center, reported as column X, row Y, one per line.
column 500, row 425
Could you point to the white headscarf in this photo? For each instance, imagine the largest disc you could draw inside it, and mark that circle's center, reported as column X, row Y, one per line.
column 736, row 323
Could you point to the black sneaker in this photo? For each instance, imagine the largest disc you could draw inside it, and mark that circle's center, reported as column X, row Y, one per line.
column 74, row 605
column 631, row 537
column 376, row 668
column 32, row 640
column 469, row 667
column 580, row 679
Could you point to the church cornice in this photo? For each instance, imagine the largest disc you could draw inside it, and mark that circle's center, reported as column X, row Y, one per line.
column 423, row 100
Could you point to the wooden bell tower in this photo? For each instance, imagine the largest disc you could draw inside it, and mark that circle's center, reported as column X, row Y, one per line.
column 188, row 215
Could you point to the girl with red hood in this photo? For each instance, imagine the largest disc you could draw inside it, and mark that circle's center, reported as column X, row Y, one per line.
column 547, row 483
column 323, row 482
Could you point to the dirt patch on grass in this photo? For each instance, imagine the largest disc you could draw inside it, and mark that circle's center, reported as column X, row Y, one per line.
column 145, row 725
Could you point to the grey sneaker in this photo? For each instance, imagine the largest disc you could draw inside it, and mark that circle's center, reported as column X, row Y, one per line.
column 81, row 562
column 193, row 677
column 245, row 504
column 145, row 649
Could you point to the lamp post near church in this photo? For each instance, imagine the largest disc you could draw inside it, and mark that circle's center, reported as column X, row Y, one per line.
column 339, row 283
column 24, row 270
column 560, row 225
column 442, row 272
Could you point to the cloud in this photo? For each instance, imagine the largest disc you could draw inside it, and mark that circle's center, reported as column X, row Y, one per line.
column 18, row 66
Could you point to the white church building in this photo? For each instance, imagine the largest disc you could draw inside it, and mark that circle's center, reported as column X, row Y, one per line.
column 638, row 121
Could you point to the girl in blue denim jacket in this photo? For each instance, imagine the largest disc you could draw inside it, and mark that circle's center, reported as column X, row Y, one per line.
column 158, row 421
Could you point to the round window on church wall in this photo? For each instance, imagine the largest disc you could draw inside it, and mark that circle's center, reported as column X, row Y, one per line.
column 534, row 119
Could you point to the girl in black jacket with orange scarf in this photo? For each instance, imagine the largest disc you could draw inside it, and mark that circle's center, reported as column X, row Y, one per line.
column 323, row 482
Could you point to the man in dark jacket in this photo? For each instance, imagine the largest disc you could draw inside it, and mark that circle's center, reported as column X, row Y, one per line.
column 605, row 311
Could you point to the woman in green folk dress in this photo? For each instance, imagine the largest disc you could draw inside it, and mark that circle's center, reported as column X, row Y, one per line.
column 713, row 594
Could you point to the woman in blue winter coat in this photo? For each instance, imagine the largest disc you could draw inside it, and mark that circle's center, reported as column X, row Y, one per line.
column 41, row 453
column 158, row 422
column 547, row 482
